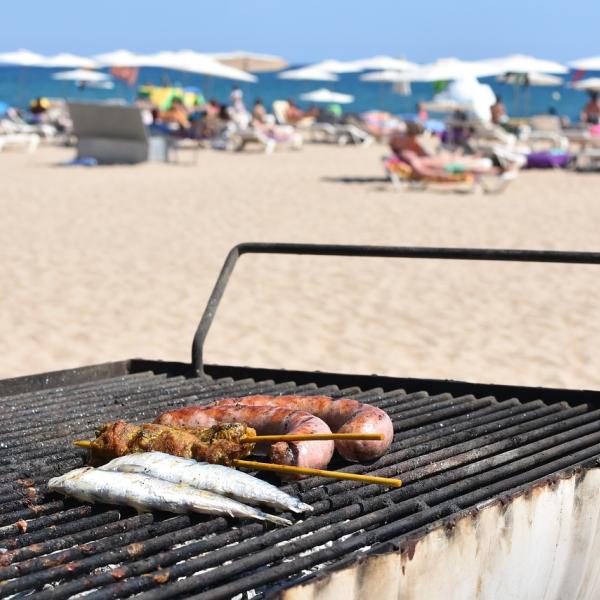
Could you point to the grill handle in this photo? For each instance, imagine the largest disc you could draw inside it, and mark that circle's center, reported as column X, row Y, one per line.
column 538, row 256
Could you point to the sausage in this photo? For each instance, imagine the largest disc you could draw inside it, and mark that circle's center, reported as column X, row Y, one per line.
column 342, row 415
column 266, row 421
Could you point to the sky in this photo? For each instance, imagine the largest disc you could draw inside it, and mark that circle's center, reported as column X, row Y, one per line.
column 309, row 30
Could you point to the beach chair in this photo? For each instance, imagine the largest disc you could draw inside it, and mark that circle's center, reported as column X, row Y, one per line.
column 403, row 176
column 341, row 134
column 114, row 134
column 239, row 137
column 588, row 157
column 12, row 122
column 546, row 130
column 28, row 141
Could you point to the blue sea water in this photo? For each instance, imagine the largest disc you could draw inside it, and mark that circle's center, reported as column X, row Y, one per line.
column 19, row 85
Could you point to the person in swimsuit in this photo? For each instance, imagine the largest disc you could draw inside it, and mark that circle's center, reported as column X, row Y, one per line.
column 591, row 111
column 407, row 148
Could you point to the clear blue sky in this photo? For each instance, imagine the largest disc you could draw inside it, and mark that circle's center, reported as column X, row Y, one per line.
column 309, row 30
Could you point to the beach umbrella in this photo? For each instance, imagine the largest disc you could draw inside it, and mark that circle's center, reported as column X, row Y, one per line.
column 387, row 76
column 327, row 96
column 526, row 66
column 81, row 75
column 194, row 62
column 70, row 61
column 335, row 66
column 586, row 64
column 521, row 63
column 541, row 79
column 308, row 74
column 119, row 58
column 384, row 63
column 449, row 69
column 251, row 61
column 22, row 58
column 592, row 84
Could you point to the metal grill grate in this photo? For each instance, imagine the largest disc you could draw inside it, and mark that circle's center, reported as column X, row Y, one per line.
column 453, row 452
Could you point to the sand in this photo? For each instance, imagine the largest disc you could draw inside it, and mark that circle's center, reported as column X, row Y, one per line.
column 102, row 264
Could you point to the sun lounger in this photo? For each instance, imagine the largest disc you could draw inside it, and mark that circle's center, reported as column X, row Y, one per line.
column 403, row 176
column 29, row 141
column 340, row 134
column 239, row 137
column 588, row 158
column 546, row 130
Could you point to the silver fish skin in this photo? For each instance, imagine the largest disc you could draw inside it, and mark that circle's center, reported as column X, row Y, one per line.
column 145, row 493
column 205, row 476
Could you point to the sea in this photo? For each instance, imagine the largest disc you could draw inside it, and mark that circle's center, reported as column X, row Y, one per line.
column 19, row 85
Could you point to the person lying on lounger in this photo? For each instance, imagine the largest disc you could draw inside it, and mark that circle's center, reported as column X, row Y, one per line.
column 443, row 166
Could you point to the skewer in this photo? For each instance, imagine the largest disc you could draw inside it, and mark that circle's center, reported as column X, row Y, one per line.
column 310, row 436
column 260, row 466
column 83, row 443
column 286, row 438
column 251, row 464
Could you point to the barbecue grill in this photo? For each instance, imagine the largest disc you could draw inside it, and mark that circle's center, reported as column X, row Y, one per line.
column 499, row 498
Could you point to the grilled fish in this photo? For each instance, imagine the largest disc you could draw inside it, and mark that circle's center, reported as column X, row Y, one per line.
column 145, row 493
column 204, row 476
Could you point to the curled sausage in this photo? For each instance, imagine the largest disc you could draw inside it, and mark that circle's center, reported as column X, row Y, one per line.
column 343, row 416
column 267, row 421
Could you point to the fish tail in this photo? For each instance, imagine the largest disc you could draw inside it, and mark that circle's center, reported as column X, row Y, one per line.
column 300, row 507
column 275, row 519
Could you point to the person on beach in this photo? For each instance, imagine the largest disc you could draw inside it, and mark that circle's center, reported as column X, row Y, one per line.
column 259, row 112
column 293, row 114
column 591, row 111
column 176, row 115
column 444, row 166
column 498, row 110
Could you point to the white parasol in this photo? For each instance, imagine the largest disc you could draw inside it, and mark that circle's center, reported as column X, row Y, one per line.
column 308, row 74
column 81, row 75
column 70, row 61
column 326, row 96
column 449, row 69
column 335, row 66
column 119, row 58
column 194, row 62
column 385, row 76
column 592, row 84
column 541, row 79
column 586, row 64
column 22, row 58
column 384, row 63
column 521, row 63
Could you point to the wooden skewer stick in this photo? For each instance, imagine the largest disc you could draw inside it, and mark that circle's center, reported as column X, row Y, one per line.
column 286, row 438
column 311, row 437
column 251, row 464
column 260, row 466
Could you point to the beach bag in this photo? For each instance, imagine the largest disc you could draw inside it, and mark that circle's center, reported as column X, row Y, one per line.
column 553, row 159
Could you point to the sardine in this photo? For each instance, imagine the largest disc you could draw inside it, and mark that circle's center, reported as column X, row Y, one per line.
column 146, row 493
column 205, row 476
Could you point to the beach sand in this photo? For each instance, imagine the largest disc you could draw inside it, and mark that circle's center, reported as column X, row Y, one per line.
column 106, row 263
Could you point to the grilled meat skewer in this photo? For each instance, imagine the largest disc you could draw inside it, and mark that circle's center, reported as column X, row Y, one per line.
column 220, row 444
